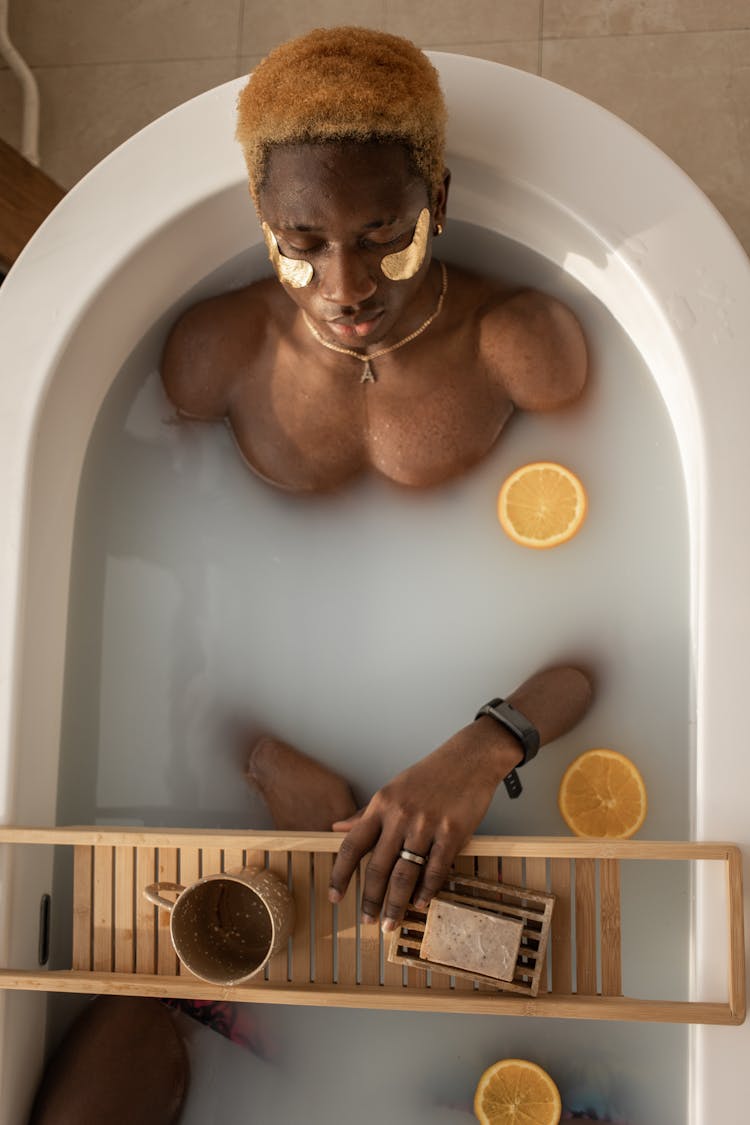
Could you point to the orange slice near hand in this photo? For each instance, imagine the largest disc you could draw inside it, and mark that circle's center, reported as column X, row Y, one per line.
column 541, row 505
column 517, row 1092
column 603, row 794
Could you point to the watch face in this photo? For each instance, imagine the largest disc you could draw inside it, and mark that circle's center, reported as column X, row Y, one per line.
column 516, row 723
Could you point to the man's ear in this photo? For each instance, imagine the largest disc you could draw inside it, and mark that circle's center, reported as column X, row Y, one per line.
column 441, row 199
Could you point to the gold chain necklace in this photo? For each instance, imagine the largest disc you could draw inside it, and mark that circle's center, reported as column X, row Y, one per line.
column 368, row 375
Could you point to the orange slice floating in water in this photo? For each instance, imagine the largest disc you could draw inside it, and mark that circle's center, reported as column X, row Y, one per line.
column 603, row 794
column 541, row 505
column 517, row 1092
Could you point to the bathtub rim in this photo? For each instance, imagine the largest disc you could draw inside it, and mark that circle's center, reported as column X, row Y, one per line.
column 67, row 246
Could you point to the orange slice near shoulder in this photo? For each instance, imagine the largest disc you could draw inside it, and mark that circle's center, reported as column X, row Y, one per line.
column 542, row 505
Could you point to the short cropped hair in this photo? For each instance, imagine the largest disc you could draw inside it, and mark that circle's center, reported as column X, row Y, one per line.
column 344, row 84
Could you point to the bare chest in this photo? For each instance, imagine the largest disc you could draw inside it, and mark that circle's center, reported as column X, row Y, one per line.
column 417, row 428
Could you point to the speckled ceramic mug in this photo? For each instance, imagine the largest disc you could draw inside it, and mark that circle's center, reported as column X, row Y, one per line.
column 226, row 927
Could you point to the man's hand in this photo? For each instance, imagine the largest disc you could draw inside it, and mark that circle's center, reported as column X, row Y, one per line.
column 431, row 809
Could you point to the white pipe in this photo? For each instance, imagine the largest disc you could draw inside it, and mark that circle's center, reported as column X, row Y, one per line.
column 30, row 120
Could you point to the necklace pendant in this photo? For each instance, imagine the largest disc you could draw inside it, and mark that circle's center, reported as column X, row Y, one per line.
column 368, row 375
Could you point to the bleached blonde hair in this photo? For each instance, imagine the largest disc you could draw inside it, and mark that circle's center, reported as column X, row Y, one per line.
column 344, row 84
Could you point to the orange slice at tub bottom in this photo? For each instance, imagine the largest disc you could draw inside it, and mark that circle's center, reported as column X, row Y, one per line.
column 602, row 794
column 517, row 1092
column 541, row 505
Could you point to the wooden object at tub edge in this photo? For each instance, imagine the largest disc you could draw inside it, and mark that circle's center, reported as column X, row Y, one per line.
column 558, row 1004
column 27, row 196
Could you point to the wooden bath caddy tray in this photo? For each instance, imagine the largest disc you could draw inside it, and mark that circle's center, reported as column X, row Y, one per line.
column 121, row 942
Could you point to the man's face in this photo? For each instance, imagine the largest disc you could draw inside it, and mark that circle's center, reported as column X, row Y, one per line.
column 343, row 208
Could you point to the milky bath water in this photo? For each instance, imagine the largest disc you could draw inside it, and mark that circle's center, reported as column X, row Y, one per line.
column 365, row 627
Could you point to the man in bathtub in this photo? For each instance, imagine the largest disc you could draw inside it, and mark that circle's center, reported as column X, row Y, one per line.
column 367, row 354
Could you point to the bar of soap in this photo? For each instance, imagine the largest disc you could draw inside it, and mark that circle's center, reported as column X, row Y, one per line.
column 474, row 940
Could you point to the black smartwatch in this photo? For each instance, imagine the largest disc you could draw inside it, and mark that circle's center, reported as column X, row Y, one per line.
column 522, row 729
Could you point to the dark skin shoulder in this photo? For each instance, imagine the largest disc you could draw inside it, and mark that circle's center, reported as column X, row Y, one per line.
column 530, row 344
column 534, row 346
column 210, row 345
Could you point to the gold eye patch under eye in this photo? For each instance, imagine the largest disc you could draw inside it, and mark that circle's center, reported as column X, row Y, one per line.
column 293, row 271
column 407, row 262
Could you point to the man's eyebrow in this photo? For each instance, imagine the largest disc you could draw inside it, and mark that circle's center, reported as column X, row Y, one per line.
column 309, row 228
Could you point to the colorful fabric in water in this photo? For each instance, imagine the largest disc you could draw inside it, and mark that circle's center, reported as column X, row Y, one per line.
column 236, row 1022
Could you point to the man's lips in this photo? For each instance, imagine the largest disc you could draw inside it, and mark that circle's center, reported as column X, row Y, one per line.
column 350, row 329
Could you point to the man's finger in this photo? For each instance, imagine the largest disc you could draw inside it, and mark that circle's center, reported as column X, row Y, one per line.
column 383, row 861
column 356, row 844
column 345, row 825
column 405, row 876
column 436, row 872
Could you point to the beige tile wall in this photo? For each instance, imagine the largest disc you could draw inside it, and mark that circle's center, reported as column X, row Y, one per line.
column 678, row 70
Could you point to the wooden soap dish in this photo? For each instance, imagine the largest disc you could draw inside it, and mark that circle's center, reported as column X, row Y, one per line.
column 532, row 909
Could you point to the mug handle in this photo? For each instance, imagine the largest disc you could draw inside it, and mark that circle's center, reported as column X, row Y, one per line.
column 151, row 892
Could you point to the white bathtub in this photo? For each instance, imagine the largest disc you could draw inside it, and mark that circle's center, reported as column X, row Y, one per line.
column 550, row 170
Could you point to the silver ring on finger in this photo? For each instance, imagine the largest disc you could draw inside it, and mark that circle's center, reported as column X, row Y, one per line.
column 412, row 857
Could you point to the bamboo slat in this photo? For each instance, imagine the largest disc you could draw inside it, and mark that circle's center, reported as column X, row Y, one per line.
column 486, row 866
column 189, row 869
column 393, row 975
column 300, row 968
column 347, row 934
column 234, row 859
column 124, row 915
column 145, row 914
column 610, row 927
column 536, row 880
column 83, row 859
column 737, row 986
column 255, row 857
column 322, row 865
column 430, row 1000
column 512, row 870
column 190, row 866
column 103, row 944
column 585, row 902
column 212, row 860
column 166, row 958
column 370, row 940
column 278, row 966
column 562, row 976
column 503, row 846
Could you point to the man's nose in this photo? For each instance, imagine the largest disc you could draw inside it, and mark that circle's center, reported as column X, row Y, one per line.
column 346, row 278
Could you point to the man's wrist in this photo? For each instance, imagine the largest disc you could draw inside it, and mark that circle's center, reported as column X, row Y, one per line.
column 522, row 729
column 501, row 748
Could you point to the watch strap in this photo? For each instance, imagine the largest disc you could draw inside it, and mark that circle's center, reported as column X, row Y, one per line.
column 522, row 728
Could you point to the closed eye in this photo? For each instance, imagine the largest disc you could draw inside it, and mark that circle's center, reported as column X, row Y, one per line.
column 390, row 244
column 301, row 249
column 384, row 245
